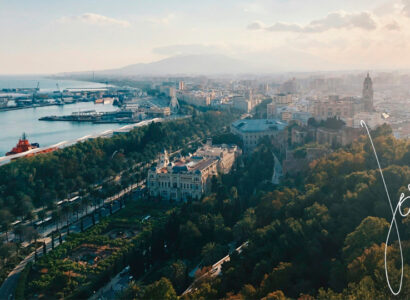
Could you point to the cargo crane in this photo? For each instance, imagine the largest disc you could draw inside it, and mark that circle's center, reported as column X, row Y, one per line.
column 35, row 91
column 61, row 94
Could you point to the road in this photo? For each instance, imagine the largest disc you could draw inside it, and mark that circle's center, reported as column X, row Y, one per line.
column 9, row 285
column 215, row 270
column 116, row 285
column 140, row 166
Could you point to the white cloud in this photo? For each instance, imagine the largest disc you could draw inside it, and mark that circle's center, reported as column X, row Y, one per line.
column 256, row 25
column 406, row 8
column 335, row 20
column 392, row 26
column 95, row 19
column 162, row 20
column 356, row 39
column 279, row 26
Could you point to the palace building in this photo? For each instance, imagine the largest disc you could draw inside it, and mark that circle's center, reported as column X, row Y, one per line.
column 190, row 177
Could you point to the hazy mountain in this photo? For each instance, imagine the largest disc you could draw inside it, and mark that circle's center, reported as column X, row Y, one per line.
column 186, row 64
column 214, row 64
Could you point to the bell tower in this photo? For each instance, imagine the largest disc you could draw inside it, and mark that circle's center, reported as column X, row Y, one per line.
column 368, row 94
column 164, row 159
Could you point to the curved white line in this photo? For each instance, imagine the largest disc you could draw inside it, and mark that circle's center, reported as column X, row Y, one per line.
column 363, row 124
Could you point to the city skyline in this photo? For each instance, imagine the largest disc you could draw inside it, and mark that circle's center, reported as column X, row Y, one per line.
column 50, row 37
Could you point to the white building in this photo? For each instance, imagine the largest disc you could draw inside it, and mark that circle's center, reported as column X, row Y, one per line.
column 241, row 103
column 251, row 131
column 190, row 177
column 197, row 98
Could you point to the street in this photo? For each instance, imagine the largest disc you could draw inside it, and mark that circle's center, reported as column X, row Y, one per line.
column 9, row 285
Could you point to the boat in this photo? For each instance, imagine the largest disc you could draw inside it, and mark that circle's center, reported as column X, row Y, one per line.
column 23, row 146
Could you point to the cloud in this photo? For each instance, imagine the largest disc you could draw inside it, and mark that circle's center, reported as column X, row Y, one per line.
column 279, row 26
column 162, row 20
column 256, row 25
column 95, row 19
column 406, row 8
column 392, row 26
column 335, row 20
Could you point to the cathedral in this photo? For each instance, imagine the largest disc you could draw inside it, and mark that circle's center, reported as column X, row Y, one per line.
column 368, row 94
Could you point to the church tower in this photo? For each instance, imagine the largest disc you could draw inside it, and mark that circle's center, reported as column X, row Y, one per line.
column 368, row 94
column 164, row 159
column 173, row 104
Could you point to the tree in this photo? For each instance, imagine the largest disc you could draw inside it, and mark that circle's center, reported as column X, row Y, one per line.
column 19, row 231
column 77, row 208
column 85, row 203
column 42, row 215
column 30, row 216
column 177, row 273
column 211, row 253
column 372, row 230
column 190, row 237
column 277, row 295
column 31, row 233
column 67, row 210
column 56, row 215
column 161, row 289
column 5, row 222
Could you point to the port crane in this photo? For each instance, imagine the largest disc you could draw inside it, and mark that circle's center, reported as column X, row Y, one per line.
column 37, row 89
column 61, row 93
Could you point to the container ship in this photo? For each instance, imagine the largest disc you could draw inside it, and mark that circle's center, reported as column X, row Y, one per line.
column 24, row 145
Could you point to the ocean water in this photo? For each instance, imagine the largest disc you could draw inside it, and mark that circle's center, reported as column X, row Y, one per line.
column 46, row 84
column 13, row 123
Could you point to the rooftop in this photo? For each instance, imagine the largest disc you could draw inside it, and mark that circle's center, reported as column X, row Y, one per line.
column 258, row 125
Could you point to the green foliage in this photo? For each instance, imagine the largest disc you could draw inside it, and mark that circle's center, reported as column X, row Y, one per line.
column 161, row 289
column 371, row 230
column 22, row 281
column 325, row 236
column 322, row 238
column 43, row 179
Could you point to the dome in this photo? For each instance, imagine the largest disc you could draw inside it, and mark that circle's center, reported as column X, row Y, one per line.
column 178, row 169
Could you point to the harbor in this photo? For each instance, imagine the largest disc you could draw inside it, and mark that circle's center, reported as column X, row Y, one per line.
column 14, row 122
column 22, row 93
column 63, row 144
column 77, row 111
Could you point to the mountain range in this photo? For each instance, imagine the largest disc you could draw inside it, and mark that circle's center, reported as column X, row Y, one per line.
column 214, row 64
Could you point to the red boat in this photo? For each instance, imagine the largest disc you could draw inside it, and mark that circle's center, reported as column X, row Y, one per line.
column 23, row 146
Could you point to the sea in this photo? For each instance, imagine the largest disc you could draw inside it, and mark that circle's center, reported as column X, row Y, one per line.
column 14, row 123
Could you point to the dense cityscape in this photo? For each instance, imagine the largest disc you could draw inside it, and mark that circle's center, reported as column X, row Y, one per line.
column 269, row 162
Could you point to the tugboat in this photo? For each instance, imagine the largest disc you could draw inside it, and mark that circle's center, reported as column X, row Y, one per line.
column 23, row 146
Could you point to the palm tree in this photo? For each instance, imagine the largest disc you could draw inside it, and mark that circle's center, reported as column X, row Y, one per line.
column 42, row 214
column 67, row 209
column 77, row 208
column 52, row 240
column 85, row 202
column 30, row 216
column 56, row 215
column 19, row 231
column 6, row 226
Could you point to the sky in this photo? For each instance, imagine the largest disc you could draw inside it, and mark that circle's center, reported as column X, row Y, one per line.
column 283, row 35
